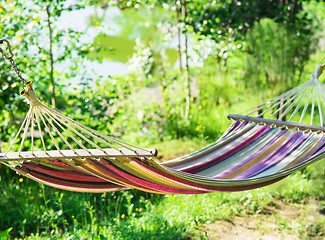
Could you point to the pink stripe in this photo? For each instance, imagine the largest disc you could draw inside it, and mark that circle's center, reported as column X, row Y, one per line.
column 76, row 186
column 63, row 174
column 228, row 153
column 153, row 186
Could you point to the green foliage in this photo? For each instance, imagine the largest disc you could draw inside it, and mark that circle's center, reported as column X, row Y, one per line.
column 276, row 56
column 115, row 48
column 250, row 47
column 47, row 212
column 5, row 234
column 231, row 19
column 32, row 32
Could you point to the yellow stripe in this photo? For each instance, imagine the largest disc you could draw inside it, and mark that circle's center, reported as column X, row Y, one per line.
column 213, row 148
column 303, row 153
column 258, row 158
column 105, row 177
column 134, row 166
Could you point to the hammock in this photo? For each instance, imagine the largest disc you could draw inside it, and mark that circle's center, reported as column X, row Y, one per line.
column 259, row 148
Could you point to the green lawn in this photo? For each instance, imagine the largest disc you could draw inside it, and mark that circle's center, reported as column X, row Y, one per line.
column 32, row 211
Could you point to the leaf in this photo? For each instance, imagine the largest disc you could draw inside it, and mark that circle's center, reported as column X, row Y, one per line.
column 5, row 234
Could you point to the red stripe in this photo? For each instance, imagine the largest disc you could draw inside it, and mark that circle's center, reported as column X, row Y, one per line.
column 63, row 174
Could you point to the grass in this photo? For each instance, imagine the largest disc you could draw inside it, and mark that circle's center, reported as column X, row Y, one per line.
column 33, row 211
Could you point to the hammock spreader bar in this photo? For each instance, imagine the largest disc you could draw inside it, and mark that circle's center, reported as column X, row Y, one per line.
column 280, row 124
column 79, row 153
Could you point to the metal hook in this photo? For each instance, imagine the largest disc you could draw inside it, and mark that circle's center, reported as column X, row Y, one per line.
column 322, row 68
column 11, row 60
column 9, row 48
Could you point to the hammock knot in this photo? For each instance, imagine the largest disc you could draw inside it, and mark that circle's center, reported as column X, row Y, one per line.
column 29, row 94
column 21, row 170
column 318, row 71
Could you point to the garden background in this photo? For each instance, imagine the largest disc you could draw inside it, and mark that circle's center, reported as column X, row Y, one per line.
column 161, row 74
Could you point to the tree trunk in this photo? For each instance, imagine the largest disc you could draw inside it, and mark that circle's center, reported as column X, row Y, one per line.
column 294, row 11
column 187, row 76
column 51, row 55
column 179, row 53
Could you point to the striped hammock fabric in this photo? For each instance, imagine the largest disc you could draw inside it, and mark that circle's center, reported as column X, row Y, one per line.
column 255, row 151
column 247, row 156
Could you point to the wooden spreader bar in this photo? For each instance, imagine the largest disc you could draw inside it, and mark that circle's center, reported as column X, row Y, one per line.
column 80, row 153
column 278, row 123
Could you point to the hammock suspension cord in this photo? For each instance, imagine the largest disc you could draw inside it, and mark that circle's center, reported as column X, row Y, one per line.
column 58, row 126
column 307, row 95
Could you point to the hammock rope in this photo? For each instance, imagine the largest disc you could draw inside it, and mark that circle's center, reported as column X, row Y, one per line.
column 259, row 148
column 308, row 95
column 56, row 125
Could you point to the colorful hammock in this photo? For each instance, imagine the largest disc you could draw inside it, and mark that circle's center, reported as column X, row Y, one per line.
column 253, row 152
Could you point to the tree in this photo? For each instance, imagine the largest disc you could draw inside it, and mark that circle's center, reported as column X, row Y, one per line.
column 229, row 20
column 37, row 48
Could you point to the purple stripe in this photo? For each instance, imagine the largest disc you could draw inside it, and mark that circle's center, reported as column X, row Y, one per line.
column 234, row 127
column 218, row 187
column 320, row 148
column 245, row 161
column 278, row 155
column 228, row 153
